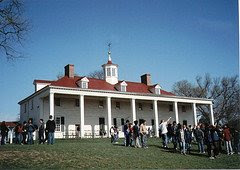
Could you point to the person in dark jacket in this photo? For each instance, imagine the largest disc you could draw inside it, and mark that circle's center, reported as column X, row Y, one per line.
column 199, row 135
column 30, row 130
column 41, row 132
column 209, row 142
column 236, row 142
column 24, row 133
column 136, row 134
column 215, row 139
column 126, row 133
column 50, row 129
column 4, row 132
column 174, row 135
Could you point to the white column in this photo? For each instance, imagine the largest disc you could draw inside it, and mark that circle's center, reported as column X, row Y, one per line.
column 194, row 113
column 51, row 104
column 109, row 116
column 11, row 136
column 212, row 116
column 155, row 108
column 176, row 112
column 81, row 105
column 133, row 105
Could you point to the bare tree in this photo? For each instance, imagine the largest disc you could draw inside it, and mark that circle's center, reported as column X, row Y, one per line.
column 13, row 27
column 224, row 91
column 98, row 74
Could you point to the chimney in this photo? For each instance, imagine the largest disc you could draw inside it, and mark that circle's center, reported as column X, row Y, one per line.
column 69, row 70
column 146, row 79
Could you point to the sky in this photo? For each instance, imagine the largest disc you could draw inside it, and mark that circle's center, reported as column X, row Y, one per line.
column 172, row 40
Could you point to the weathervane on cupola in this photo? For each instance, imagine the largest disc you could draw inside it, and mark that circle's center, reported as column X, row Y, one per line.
column 109, row 51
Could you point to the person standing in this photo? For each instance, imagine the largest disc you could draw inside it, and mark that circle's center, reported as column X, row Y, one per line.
column 126, row 133
column 112, row 134
column 19, row 133
column 174, row 135
column 236, row 143
column 227, row 139
column 30, row 130
column 163, row 128
column 41, row 132
column 143, row 133
column 50, row 129
column 199, row 135
column 24, row 133
column 136, row 135
column 181, row 139
column 4, row 132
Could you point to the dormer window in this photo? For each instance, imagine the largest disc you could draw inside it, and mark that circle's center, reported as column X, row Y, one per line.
column 122, row 86
column 156, row 89
column 83, row 83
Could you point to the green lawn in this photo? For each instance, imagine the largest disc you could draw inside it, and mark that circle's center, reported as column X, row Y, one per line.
column 100, row 153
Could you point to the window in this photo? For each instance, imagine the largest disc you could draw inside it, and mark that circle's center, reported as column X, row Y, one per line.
column 183, row 108
column 77, row 102
column 141, row 121
column 60, row 122
column 108, row 71
column 117, row 105
column 113, row 72
column 84, row 85
column 140, row 106
column 57, row 101
column 151, row 106
column 100, row 105
column 114, row 121
column 123, row 88
column 170, row 108
column 158, row 91
column 122, row 121
column 185, row 122
column 25, row 108
column 32, row 105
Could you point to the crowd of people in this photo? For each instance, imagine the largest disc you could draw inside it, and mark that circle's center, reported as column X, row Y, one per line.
column 210, row 138
column 24, row 132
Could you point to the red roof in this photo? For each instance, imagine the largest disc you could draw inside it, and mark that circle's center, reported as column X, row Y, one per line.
column 99, row 84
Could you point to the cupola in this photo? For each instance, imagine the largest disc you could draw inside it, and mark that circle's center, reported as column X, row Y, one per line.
column 110, row 70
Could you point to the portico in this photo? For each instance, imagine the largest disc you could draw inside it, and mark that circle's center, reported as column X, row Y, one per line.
column 131, row 106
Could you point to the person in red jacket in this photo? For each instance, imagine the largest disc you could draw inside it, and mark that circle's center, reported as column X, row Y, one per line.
column 227, row 139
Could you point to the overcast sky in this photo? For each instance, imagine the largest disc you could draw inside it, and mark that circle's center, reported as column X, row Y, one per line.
column 170, row 39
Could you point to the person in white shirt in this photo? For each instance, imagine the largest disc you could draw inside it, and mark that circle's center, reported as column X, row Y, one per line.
column 163, row 129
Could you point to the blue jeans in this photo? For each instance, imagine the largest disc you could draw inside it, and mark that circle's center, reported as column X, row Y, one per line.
column 30, row 138
column 50, row 137
column 165, row 140
column 183, row 147
column 144, row 140
column 201, row 146
column 19, row 138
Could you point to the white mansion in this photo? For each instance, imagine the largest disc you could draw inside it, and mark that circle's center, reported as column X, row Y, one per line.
column 95, row 105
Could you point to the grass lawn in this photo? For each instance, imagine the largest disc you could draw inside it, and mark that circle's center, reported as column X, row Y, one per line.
column 100, row 153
